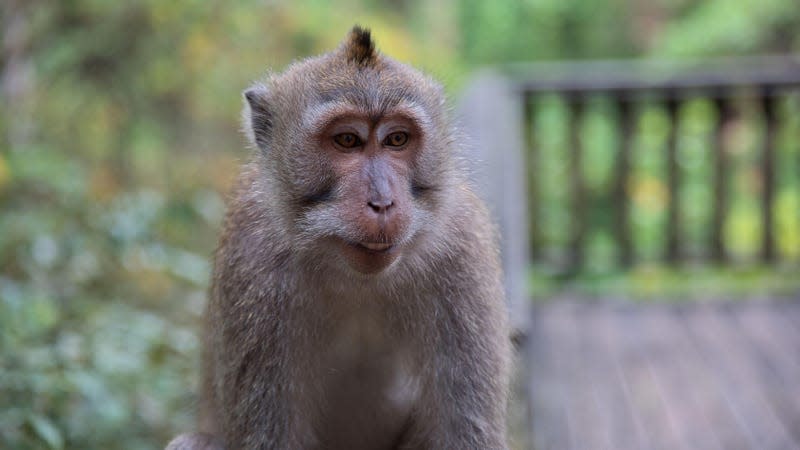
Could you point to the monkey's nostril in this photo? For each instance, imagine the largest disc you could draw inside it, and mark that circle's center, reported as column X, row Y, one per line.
column 380, row 206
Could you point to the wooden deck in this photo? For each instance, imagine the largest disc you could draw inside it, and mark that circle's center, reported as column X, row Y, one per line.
column 713, row 375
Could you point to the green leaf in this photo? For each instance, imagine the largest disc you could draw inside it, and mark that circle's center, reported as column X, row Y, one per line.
column 47, row 431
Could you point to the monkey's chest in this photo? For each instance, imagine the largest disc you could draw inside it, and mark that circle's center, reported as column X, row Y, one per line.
column 369, row 385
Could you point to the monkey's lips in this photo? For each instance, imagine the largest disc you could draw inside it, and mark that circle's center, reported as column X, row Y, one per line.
column 370, row 257
column 375, row 246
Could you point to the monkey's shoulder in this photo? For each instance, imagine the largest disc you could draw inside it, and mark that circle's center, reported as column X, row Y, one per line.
column 470, row 224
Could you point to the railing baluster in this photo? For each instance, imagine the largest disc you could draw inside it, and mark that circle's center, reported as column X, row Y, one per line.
column 768, row 102
column 532, row 155
column 673, row 181
column 578, row 185
column 718, row 253
column 622, row 164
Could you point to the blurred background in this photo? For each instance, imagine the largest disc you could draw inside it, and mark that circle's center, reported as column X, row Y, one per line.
column 120, row 127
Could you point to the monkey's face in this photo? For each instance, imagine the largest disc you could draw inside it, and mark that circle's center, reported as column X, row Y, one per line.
column 358, row 152
column 370, row 162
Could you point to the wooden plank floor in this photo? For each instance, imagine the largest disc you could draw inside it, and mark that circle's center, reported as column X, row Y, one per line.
column 714, row 375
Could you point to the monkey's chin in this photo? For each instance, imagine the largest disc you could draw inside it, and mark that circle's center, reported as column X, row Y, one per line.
column 369, row 258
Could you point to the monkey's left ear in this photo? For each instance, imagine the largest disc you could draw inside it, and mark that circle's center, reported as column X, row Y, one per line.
column 257, row 116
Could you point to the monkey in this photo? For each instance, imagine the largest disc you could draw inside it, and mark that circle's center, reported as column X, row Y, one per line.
column 356, row 299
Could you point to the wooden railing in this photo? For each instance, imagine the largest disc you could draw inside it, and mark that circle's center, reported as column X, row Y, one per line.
column 500, row 109
column 762, row 81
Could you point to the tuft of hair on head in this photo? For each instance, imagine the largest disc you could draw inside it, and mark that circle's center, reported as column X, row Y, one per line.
column 359, row 47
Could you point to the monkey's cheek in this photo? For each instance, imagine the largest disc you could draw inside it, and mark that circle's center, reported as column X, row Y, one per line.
column 366, row 261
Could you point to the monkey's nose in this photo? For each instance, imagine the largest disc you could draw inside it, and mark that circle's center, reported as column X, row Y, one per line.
column 380, row 206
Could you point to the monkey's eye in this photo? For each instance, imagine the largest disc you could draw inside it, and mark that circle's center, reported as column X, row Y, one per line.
column 347, row 140
column 396, row 139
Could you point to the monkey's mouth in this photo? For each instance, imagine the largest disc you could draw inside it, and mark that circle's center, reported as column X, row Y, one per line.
column 374, row 247
column 369, row 257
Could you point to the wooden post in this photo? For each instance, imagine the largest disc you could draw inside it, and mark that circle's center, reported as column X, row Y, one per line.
column 492, row 113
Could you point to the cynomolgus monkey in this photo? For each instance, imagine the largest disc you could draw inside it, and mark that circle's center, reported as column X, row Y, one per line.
column 356, row 300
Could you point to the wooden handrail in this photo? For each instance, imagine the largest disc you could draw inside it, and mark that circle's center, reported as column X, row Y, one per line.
column 663, row 78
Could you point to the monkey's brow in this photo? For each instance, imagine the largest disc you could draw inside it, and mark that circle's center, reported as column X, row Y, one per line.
column 317, row 116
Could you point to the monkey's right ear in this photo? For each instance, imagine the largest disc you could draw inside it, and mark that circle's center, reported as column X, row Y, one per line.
column 257, row 116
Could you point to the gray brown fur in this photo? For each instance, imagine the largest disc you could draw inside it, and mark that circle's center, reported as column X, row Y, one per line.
column 303, row 352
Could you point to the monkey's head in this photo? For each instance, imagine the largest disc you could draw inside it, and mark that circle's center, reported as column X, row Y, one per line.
column 357, row 148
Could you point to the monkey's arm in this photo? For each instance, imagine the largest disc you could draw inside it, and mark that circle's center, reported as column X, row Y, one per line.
column 471, row 386
column 251, row 382
column 464, row 405
column 248, row 344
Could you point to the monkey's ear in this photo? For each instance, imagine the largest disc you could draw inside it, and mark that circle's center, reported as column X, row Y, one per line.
column 257, row 116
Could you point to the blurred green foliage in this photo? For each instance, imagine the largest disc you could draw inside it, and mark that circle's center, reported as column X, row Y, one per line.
column 120, row 139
